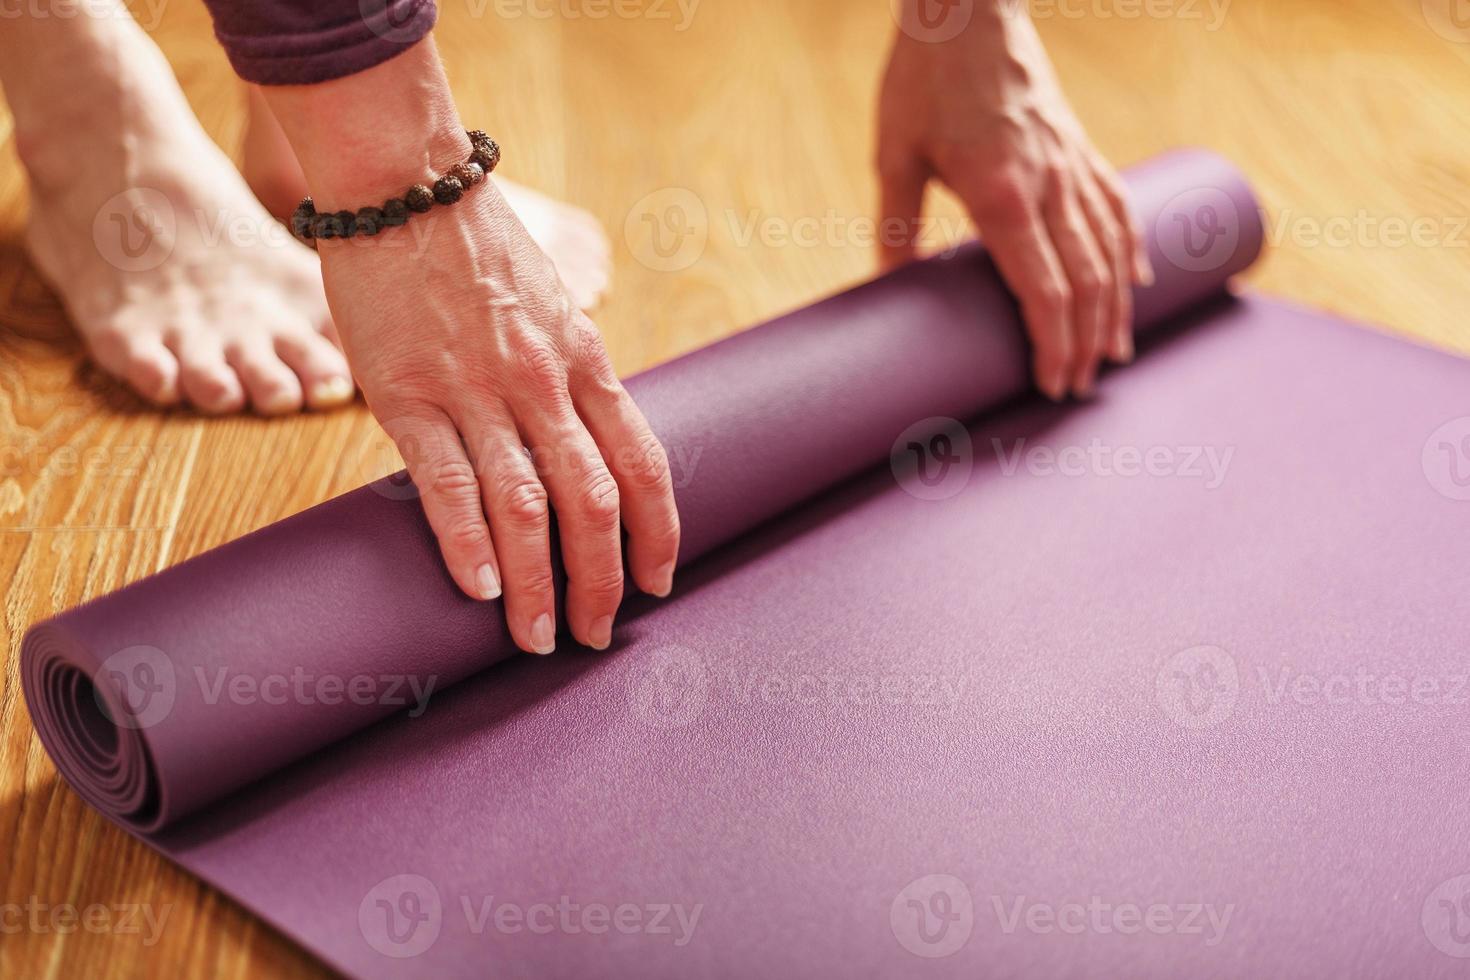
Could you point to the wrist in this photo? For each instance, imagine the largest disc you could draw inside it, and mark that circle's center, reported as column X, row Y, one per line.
column 367, row 137
column 941, row 24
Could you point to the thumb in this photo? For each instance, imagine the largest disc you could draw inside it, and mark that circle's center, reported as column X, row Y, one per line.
column 901, row 206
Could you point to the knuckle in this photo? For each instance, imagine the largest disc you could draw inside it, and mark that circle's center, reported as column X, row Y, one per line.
column 535, row 581
column 1090, row 285
column 647, row 467
column 603, row 585
column 1110, row 237
column 543, row 371
column 451, row 477
column 587, row 345
column 466, row 534
column 664, row 538
column 598, row 502
column 1053, row 297
column 523, row 502
column 1003, row 198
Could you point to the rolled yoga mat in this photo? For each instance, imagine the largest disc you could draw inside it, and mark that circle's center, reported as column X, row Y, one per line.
column 954, row 681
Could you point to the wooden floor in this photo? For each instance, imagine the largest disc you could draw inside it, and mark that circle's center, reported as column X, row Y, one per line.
column 1351, row 116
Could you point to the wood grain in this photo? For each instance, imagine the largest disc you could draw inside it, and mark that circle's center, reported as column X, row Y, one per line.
column 1351, row 115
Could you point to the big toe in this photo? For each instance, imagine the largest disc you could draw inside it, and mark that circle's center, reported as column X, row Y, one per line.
column 320, row 365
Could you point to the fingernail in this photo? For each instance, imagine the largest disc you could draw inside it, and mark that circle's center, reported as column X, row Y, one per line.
column 1143, row 269
column 663, row 581
column 487, row 583
column 543, row 635
column 331, row 391
column 601, row 634
column 1054, row 385
column 1123, row 347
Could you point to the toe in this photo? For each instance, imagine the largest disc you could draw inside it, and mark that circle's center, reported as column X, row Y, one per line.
column 153, row 372
column 320, row 366
column 271, row 385
column 206, row 379
column 140, row 359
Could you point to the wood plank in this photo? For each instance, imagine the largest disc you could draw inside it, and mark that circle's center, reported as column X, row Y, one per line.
column 749, row 124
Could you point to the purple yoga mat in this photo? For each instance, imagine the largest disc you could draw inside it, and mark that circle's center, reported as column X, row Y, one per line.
column 1168, row 682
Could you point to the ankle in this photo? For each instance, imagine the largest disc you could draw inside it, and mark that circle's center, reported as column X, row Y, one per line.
column 117, row 97
column 118, row 141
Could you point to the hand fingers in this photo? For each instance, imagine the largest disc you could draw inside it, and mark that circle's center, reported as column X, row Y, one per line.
column 450, row 492
column 1111, row 238
column 1117, row 198
column 520, row 523
column 901, row 181
column 1087, row 274
column 637, row 461
column 587, row 502
column 1019, row 243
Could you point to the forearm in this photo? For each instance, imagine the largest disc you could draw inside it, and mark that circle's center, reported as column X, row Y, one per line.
column 370, row 135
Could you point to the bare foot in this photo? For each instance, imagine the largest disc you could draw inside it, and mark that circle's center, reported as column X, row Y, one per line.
column 178, row 280
column 570, row 236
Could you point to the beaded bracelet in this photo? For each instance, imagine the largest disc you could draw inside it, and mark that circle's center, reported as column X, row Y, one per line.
column 308, row 226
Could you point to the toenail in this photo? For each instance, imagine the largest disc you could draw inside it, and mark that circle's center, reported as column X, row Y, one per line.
column 166, row 392
column 331, row 391
column 277, row 402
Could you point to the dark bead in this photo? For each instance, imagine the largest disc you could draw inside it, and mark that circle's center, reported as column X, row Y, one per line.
column 395, row 212
column 447, row 190
column 468, row 174
column 349, row 223
column 301, row 219
column 477, row 137
column 327, row 226
column 487, row 155
column 369, row 220
column 419, row 198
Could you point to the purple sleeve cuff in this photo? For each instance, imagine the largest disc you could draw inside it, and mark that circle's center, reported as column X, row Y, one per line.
column 301, row 42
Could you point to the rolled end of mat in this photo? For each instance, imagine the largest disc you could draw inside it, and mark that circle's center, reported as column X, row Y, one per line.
column 91, row 719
